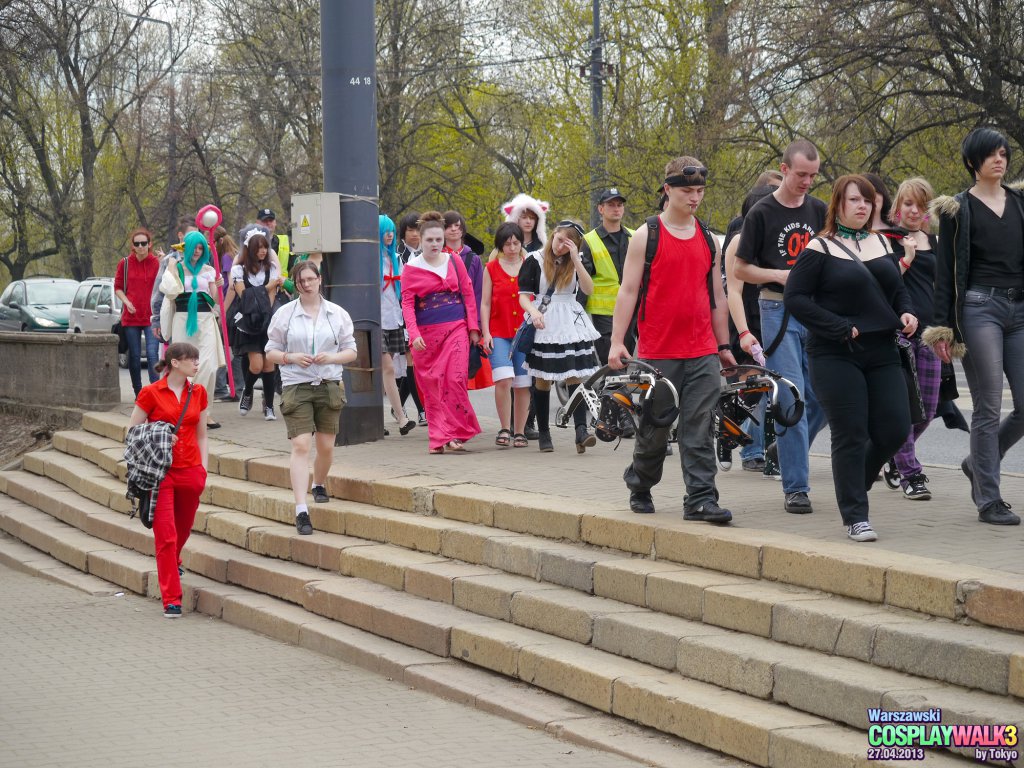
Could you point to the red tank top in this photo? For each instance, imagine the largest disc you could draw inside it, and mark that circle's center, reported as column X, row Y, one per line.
column 506, row 314
column 676, row 321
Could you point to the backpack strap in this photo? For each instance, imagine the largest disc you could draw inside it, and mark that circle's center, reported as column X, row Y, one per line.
column 653, row 235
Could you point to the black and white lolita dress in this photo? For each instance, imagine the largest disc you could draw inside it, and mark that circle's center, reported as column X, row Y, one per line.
column 564, row 347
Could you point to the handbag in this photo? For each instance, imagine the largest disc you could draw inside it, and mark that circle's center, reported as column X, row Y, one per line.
column 908, row 361
column 122, row 340
column 527, row 332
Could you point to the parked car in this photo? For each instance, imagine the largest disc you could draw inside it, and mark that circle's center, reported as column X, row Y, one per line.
column 96, row 309
column 37, row 304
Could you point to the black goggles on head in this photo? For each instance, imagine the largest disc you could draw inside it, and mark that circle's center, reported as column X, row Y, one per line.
column 689, row 176
column 566, row 224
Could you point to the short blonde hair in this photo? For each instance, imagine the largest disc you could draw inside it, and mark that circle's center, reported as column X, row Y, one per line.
column 916, row 189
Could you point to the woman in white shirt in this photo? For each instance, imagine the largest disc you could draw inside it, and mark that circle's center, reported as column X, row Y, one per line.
column 255, row 281
column 311, row 339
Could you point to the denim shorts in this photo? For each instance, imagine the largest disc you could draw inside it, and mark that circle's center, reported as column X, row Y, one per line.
column 506, row 364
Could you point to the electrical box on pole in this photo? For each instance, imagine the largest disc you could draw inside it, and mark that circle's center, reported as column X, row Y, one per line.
column 316, row 222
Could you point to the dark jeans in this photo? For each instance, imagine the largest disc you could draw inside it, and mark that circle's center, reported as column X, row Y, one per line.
column 993, row 329
column 864, row 396
column 133, row 335
column 698, row 382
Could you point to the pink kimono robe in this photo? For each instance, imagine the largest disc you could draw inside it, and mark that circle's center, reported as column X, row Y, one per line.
column 442, row 311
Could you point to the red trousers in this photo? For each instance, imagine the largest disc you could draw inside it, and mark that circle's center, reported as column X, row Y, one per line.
column 176, row 506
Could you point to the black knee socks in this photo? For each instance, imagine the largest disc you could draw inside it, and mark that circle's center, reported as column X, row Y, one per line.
column 542, row 401
column 408, row 387
column 269, row 383
column 579, row 416
column 249, row 380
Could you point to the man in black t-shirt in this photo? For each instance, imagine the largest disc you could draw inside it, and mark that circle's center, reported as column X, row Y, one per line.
column 775, row 232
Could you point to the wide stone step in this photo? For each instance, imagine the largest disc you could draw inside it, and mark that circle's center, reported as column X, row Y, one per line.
column 760, row 732
column 929, row 586
column 967, row 656
column 838, row 689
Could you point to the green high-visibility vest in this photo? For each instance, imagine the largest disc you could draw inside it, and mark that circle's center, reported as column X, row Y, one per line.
column 283, row 251
column 606, row 277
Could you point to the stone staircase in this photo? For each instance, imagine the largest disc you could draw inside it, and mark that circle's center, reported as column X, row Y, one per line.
column 766, row 648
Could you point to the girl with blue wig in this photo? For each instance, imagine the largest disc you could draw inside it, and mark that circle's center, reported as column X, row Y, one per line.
column 189, row 308
column 392, row 326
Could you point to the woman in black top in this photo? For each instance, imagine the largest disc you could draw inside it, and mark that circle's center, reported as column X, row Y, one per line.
column 915, row 256
column 852, row 311
column 979, row 309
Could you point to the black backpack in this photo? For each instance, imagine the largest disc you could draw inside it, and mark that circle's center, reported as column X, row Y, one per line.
column 653, row 233
column 254, row 309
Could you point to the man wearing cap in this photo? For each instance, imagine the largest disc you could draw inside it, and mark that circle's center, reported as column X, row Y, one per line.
column 605, row 248
column 278, row 243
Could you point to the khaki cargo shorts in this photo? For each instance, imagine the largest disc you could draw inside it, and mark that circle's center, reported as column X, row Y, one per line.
column 312, row 408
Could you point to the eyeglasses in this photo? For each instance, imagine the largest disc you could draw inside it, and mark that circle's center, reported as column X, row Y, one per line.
column 304, row 280
column 140, row 243
column 566, row 224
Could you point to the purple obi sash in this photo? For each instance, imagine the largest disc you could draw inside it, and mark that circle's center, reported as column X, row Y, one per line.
column 439, row 307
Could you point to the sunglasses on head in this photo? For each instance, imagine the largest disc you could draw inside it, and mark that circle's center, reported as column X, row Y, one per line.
column 566, row 224
column 140, row 242
column 686, row 176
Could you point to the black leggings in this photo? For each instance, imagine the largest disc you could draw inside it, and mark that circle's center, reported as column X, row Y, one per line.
column 864, row 396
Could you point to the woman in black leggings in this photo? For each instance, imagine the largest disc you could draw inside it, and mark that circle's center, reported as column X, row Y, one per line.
column 847, row 291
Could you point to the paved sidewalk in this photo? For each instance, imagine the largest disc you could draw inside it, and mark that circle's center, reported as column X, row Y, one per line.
column 108, row 682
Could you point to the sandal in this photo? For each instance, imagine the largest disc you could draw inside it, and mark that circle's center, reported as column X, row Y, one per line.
column 439, row 449
column 455, row 446
column 520, row 441
column 504, row 438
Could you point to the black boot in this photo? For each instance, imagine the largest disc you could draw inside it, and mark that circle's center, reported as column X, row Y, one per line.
column 531, row 418
column 542, row 398
column 584, row 439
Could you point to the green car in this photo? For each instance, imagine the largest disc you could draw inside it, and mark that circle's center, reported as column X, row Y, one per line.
column 37, row 304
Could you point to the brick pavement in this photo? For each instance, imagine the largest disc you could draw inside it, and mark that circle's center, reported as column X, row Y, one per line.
column 108, row 682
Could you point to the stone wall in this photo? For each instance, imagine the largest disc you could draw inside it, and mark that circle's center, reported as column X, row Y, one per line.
column 59, row 372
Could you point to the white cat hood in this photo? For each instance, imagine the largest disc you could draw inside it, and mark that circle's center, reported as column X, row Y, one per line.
column 523, row 202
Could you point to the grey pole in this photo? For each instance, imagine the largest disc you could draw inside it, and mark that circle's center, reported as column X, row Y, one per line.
column 348, row 66
column 597, row 158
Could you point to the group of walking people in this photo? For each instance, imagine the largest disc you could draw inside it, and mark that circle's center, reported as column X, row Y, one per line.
column 838, row 288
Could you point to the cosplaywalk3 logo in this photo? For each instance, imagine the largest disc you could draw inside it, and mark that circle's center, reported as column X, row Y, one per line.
column 905, row 735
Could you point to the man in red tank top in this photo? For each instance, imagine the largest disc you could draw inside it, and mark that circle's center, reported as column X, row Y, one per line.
column 684, row 332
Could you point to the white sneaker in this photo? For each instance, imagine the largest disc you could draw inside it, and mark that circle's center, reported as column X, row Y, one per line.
column 861, row 532
column 268, row 413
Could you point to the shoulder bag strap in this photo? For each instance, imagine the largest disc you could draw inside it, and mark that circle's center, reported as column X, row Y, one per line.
column 546, row 299
column 125, row 275
column 188, row 397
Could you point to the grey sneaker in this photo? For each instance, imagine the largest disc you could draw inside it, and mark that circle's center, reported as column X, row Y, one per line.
column 861, row 532
column 708, row 512
column 753, row 465
column 998, row 513
column 320, row 494
column 798, row 503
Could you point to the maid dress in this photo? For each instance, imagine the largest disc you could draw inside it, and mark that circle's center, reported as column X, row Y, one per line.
column 564, row 347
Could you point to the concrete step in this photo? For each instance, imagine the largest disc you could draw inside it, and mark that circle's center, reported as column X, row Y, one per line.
column 838, row 689
column 968, row 656
column 761, row 732
column 447, row 678
column 938, row 588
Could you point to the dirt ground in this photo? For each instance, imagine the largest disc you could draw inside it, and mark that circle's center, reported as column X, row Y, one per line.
column 19, row 435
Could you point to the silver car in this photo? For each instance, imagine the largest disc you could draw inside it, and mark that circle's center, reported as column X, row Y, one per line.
column 95, row 309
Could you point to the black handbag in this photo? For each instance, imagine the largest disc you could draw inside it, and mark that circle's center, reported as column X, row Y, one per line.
column 122, row 340
column 527, row 332
column 907, row 360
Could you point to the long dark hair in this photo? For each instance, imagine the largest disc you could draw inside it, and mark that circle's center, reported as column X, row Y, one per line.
column 250, row 254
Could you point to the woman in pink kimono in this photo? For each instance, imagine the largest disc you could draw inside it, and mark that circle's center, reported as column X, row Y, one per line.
column 441, row 316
